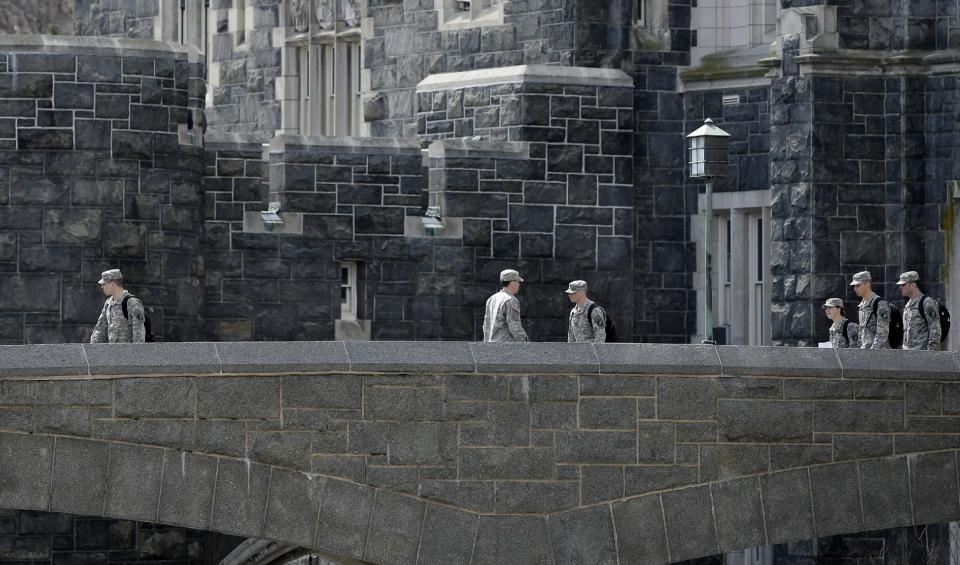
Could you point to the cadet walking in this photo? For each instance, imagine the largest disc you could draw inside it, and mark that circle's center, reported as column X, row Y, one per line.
column 588, row 321
column 921, row 315
column 874, row 313
column 113, row 326
column 843, row 332
column 501, row 321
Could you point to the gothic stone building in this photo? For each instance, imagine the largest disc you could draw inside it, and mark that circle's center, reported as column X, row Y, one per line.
column 265, row 169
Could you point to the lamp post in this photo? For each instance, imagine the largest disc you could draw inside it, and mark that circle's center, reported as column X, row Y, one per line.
column 708, row 161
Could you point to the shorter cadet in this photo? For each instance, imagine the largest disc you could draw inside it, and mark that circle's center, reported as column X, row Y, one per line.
column 843, row 332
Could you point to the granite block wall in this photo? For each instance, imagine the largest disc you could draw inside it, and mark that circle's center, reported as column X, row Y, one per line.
column 564, row 207
column 859, row 171
column 116, row 18
column 244, row 73
column 410, row 43
column 685, row 451
column 94, row 177
column 664, row 259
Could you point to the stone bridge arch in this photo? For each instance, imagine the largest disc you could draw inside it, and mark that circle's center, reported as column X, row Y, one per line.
column 485, row 453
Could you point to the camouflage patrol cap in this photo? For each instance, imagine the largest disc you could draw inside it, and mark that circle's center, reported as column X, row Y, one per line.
column 834, row 302
column 861, row 277
column 508, row 275
column 576, row 286
column 111, row 275
column 908, row 277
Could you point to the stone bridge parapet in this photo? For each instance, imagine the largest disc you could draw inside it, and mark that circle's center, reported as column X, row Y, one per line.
column 393, row 452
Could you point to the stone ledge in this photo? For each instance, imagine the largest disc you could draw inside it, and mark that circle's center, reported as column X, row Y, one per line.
column 232, row 140
column 896, row 364
column 152, row 358
column 200, row 358
column 536, row 357
column 465, row 148
column 412, row 356
column 282, row 357
column 779, row 361
column 77, row 45
column 362, row 145
column 654, row 358
column 43, row 360
column 527, row 74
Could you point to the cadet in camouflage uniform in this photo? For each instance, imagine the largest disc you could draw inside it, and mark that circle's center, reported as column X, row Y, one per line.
column 833, row 307
column 112, row 327
column 874, row 330
column 579, row 328
column 921, row 330
column 501, row 322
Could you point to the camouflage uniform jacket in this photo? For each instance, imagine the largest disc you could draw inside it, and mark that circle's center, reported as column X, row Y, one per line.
column 112, row 327
column 917, row 333
column 874, row 330
column 836, row 334
column 579, row 328
column 501, row 321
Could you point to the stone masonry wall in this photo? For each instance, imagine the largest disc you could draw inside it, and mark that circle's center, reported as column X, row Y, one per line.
column 410, row 43
column 94, row 177
column 539, row 453
column 53, row 538
column 133, row 19
column 566, row 208
column 858, row 184
column 243, row 74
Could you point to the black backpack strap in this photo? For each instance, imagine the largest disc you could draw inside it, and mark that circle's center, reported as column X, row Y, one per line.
column 590, row 312
column 845, row 336
column 124, row 305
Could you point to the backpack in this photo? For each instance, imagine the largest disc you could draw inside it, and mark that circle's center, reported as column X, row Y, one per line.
column 610, row 326
column 895, row 336
column 845, row 336
column 944, row 318
column 147, row 330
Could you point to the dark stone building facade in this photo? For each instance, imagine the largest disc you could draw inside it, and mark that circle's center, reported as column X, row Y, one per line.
column 842, row 159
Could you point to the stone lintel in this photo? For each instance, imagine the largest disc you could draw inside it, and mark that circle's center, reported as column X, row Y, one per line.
column 76, row 45
column 357, row 145
column 527, row 74
column 219, row 140
column 470, row 149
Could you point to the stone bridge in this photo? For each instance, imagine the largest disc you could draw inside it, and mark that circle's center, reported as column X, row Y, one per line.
column 389, row 452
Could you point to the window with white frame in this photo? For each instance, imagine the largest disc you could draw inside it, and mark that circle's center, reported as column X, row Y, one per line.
column 639, row 11
column 728, row 24
column 348, row 290
column 325, row 57
column 742, row 279
column 330, row 93
column 240, row 21
column 192, row 23
column 470, row 13
column 184, row 22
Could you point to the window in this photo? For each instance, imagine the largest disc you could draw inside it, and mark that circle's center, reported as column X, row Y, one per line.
column 348, row 290
column 741, row 283
column 758, row 262
column 326, row 57
column 470, row 13
column 726, row 24
column 192, row 23
column 330, row 93
column 240, row 22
